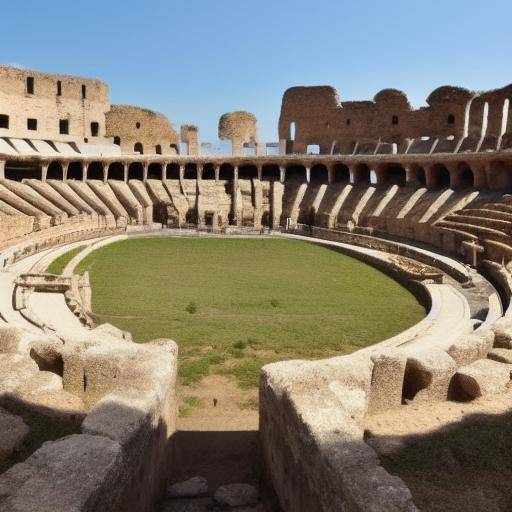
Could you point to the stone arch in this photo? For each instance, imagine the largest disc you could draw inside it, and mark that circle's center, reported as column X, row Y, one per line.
column 190, row 172
column 295, row 172
column 136, row 171
column 319, row 174
column 440, row 177
column 341, row 173
column 466, row 177
column 95, row 171
column 138, row 148
column 75, row 171
column 394, row 174
column 172, row 172
column 208, row 172
column 362, row 175
column 18, row 171
column 55, row 171
column 247, row 172
column 155, row 171
column 227, row 172
column 115, row 171
column 270, row 172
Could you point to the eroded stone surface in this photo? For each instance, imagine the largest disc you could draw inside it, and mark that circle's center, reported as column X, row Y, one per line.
column 192, row 487
column 481, row 378
column 13, row 431
column 237, row 495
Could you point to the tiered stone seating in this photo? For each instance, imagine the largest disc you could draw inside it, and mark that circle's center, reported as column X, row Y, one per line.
column 88, row 196
column 109, row 199
column 129, row 201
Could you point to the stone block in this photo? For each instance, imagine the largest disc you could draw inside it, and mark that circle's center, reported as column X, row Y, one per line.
column 503, row 333
column 471, row 347
column 481, row 378
column 501, row 355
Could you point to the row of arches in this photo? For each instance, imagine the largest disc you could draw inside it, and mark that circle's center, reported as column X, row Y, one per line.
column 494, row 174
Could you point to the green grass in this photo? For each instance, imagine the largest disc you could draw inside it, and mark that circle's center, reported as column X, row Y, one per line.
column 234, row 305
column 58, row 265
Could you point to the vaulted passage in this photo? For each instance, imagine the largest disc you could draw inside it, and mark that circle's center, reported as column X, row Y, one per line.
column 115, row 171
column 190, row 172
column 295, row 172
column 136, row 171
column 95, row 171
column 247, row 172
column 466, row 176
column 173, row 172
column 319, row 174
column 270, row 172
column 395, row 175
column 20, row 170
column 226, row 172
column 362, row 175
column 208, row 172
column 440, row 176
column 55, row 171
column 155, row 171
column 75, row 171
column 341, row 173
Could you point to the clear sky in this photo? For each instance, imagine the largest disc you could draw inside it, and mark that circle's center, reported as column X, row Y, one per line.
column 193, row 60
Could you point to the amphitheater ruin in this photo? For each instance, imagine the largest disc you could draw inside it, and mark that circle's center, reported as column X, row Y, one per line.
column 421, row 193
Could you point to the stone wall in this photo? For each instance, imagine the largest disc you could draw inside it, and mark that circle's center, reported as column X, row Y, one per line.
column 321, row 118
column 190, row 136
column 48, row 107
column 135, row 125
column 240, row 128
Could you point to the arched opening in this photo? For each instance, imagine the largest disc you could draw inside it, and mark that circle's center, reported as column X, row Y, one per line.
column 155, row 171
column 295, row 172
column 270, row 172
column 174, row 149
column 190, row 172
column 18, row 171
column 172, row 172
column 451, row 119
column 466, row 176
column 95, row 171
column 441, row 177
column 55, row 171
column 191, row 216
column 319, row 174
column 362, row 175
column 75, row 171
column 395, row 174
column 115, row 171
column 341, row 173
column 136, row 171
column 421, row 177
column 138, row 148
column 226, row 172
column 247, row 172
column 208, row 172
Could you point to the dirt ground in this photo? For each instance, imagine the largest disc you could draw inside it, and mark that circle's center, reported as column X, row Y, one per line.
column 453, row 456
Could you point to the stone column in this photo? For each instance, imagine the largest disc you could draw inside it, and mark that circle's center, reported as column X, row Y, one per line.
column 84, row 170
column 352, row 169
column 217, row 172
column 282, row 173
column 455, row 174
column 308, row 174
column 411, row 173
column 199, row 175
column 429, row 176
column 145, row 170
column 234, row 198
column 125, row 172
column 182, row 171
column 65, row 167
column 260, row 171
column 44, row 171
column 105, row 172
column 330, row 174
column 2, row 169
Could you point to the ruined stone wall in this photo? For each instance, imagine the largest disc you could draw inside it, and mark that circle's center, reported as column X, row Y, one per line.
column 240, row 128
column 48, row 107
column 190, row 136
column 135, row 125
column 321, row 118
column 14, row 226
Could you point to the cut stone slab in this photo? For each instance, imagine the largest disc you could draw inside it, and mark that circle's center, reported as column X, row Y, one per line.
column 503, row 333
column 189, row 488
column 13, row 432
column 237, row 495
column 188, row 505
column 472, row 347
column 501, row 355
column 481, row 378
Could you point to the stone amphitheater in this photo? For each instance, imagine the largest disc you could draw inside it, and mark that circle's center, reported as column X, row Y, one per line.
column 421, row 193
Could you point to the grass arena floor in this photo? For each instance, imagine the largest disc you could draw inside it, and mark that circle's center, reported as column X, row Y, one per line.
column 235, row 304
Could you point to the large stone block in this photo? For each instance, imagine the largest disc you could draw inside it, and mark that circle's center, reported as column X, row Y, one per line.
column 481, row 378
column 503, row 332
column 471, row 347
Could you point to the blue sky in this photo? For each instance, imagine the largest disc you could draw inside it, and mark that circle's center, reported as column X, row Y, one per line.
column 196, row 59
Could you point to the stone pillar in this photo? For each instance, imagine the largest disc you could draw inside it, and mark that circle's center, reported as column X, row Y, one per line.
column 282, row 173
column 44, row 171
column 260, row 171
column 105, row 173
column 182, row 172
column 430, row 179
column 125, row 172
column 330, row 174
column 199, row 175
column 455, row 174
column 84, row 170
column 308, row 174
column 2, row 169
column 217, row 172
column 65, row 167
column 480, row 177
column 380, row 174
column 352, row 169
column 234, row 198
column 411, row 173
column 145, row 170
